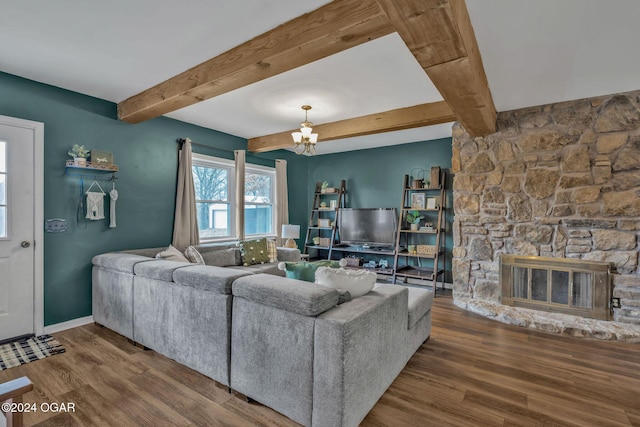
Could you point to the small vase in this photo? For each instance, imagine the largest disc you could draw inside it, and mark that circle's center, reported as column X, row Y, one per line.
column 80, row 162
column 414, row 227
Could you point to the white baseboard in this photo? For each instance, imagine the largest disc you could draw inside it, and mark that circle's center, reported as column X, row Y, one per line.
column 59, row 327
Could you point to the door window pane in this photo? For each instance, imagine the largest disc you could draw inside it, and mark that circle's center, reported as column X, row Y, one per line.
column 3, row 189
column 3, row 221
column 3, row 156
column 538, row 284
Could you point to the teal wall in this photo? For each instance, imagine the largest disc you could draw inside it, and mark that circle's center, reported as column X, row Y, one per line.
column 146, row 154
column 375, row 176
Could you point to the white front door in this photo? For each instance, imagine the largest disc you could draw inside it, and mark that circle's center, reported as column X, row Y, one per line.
column 18, row 145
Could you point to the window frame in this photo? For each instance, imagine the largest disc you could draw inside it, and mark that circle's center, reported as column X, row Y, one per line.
column 204, row 160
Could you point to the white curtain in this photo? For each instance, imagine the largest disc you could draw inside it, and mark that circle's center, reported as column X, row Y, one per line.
column 282, row 199
column 185, row 225
column 239, row 214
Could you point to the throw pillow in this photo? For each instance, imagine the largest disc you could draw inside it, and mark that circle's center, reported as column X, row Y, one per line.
column 305, row 270
column 172, row 254
column 357, row 282
column 272, row 250
column 193, row 255
column 223, row 257
column 254, row 252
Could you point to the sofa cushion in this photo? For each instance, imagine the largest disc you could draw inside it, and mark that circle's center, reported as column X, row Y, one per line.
column 297, row 296
column 271, row 268
column 420, row 301
column 254, row 252
column 222, row 257
column 210, row 278
column 272, row 251
column 306, row 270
column 172, row 254
column 159, row 269
column 193, row 255
column 119, row 261
column 357, row 282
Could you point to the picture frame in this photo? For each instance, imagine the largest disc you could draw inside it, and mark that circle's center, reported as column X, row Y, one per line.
column 417, row 201
column 431, row 203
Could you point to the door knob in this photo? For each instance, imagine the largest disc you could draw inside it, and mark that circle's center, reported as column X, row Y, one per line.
column 25, row 244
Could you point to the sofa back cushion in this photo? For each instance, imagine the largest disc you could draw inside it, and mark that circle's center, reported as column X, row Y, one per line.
column 296, row 296
column 222, row 257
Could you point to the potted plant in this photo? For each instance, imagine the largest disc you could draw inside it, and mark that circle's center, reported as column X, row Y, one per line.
column 413, row 219
column 323, row 188
column 79, row 154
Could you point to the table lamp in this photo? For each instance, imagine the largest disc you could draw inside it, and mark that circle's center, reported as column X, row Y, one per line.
column 290, row 232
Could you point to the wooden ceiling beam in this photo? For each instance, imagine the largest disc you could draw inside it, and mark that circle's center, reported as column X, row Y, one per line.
column 440, row 36
column 388, row 121
column 337, row 26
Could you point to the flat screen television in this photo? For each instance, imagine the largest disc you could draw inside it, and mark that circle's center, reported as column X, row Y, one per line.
column 374, row 227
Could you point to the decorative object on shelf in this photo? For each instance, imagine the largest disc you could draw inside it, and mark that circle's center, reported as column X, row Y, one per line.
column 101, row 157
column 426, row 184
column 383, row 263
column 113, row 195
column 324, row 186
column 333, row 204
column 431, row 203
column 353, row 261
column 323, row 205
column 95, row 203
column 435, row 177
column 79, row 154
column 417, row 178
column 413, row 219
column 369, row 264
column 324, row 241
column 316, row 240
column 417, row 201
column 411, row 249
column 428, row 226
column 290, row 232
column 426, row 249
column 324, row 222
column 305, row 141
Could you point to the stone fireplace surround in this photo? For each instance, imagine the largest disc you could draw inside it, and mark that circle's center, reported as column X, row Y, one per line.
column 559, row 180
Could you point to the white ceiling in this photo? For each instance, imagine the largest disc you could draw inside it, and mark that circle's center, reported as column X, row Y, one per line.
column 534, row 52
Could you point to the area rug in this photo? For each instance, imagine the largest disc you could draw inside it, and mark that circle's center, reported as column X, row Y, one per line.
column 28, row 350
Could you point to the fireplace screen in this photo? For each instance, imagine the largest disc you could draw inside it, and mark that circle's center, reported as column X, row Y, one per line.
column 556, row 284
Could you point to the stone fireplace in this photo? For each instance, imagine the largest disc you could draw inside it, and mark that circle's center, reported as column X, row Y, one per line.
column 558, row 181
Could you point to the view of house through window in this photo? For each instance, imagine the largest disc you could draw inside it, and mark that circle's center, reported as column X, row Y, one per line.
column 3, row 189
column 214, row 181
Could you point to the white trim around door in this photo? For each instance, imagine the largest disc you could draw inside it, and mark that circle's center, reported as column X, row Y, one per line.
column 38, row 210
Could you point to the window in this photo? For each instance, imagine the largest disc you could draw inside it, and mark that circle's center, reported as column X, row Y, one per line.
column 214, row 181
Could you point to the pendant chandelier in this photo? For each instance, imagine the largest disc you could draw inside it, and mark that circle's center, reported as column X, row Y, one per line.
column 305, row 141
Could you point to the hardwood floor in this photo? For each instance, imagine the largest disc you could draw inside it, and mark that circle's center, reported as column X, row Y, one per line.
column 472, row 372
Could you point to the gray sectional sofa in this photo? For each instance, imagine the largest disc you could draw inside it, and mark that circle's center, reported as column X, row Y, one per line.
column 282, row 342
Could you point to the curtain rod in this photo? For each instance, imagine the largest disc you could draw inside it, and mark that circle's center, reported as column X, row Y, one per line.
column 181, row 141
